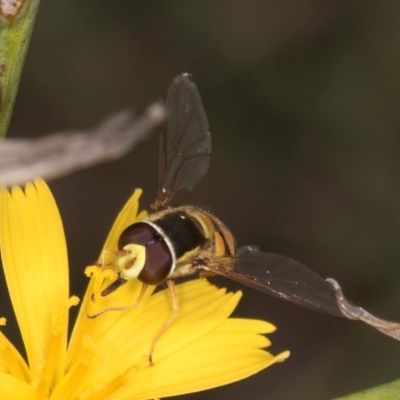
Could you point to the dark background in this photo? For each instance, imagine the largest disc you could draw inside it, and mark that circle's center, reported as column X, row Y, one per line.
column 303, row 102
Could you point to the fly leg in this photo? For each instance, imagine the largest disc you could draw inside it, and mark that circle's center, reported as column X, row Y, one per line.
column 171, row 287
column 102, row 262
column 121, row 308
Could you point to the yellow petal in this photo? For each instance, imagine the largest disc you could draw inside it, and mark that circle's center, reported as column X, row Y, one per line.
column 126, row 217
column 35, row 264
column 217, row 359
column 12, row 388
column 196, row 352
column 124, row 296
column 11, row 360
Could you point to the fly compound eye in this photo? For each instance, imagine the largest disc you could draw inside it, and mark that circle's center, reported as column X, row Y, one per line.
column 140, row 233
column 158, row 264
column 148, row 256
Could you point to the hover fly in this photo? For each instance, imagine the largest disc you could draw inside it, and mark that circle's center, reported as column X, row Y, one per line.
column 175, row 242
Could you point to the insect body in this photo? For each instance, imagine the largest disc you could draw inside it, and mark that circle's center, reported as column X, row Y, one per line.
column 173, row 242
column 179, row 241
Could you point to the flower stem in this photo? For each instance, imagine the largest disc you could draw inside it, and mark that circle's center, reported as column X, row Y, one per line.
column 17, row 18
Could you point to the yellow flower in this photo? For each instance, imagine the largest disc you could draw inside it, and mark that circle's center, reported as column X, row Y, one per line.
column 107, row 357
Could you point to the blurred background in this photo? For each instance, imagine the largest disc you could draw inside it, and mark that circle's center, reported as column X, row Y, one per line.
column 303, row 103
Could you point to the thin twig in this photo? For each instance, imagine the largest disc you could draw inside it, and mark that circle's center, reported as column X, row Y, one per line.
column 52, row 156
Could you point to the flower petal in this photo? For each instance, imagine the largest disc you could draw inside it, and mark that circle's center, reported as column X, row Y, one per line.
column 217, row 359
column 35, row 263
column 12, row 388
column 11, row 360
column 126, row 217
column 199, row 338
column 126, row 295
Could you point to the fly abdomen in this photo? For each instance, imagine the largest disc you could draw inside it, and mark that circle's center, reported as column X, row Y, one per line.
column 183, row 231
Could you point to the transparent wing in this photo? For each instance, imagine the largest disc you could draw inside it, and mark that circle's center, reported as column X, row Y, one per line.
column 279, row 276
column 185, row 141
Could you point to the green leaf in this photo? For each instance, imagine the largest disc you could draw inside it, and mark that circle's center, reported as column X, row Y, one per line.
column 388, row 391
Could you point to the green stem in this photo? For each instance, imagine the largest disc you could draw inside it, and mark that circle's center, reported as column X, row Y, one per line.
column 15, row 32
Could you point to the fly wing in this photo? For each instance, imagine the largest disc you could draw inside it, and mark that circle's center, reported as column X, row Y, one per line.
column 279, row 276
column 185, row 141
